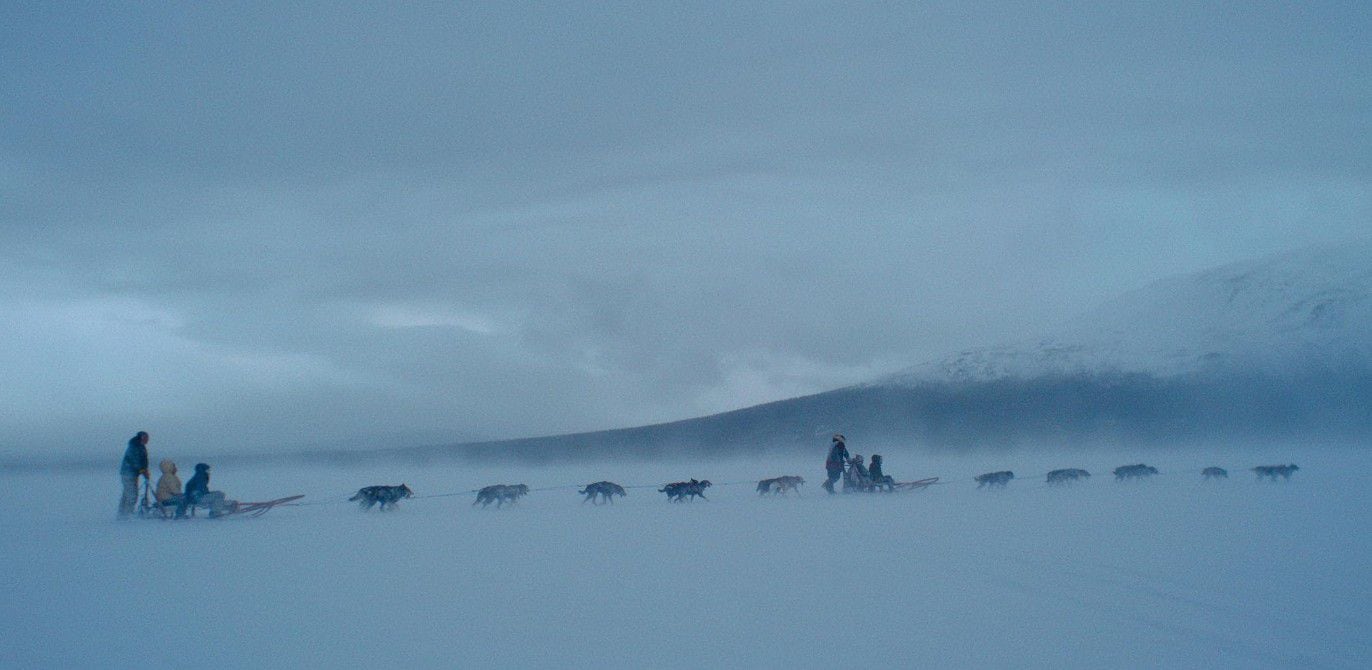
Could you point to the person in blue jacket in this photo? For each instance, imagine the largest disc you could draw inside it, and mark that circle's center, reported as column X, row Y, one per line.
column 838, row 457
column 134, row 465
column 198, row 493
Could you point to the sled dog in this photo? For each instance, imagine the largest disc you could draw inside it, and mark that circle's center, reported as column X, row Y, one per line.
column 1274, row 471
column 500, row 494
column 1067, row 475
column 387, row 496
column 1124, row 472
column 994, row 479
column 780, row 485
column 677, row 491
column 606, row 490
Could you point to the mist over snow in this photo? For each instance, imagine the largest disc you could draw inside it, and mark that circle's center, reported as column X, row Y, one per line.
column 1172, row 572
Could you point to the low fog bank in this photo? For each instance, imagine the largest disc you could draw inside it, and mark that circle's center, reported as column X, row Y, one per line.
column 1122, row 412
column 1125, row 411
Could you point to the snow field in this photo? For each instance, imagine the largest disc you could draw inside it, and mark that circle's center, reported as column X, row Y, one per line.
column 1172, row 572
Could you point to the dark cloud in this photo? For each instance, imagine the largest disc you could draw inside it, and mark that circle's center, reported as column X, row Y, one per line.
column 321, row 223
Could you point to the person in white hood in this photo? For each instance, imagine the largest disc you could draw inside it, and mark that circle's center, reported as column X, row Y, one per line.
column 168, row 485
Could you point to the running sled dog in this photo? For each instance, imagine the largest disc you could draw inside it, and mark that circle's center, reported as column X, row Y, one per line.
column 994, row 479
column 678, row 491
column 500, row 494
column 1139, row 471
column 605, row 490
column 780, row 485
column 1067, row 476
column 386, row 496
column 1274, row 471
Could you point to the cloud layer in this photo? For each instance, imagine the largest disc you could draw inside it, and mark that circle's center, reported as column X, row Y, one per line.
column 251, row 226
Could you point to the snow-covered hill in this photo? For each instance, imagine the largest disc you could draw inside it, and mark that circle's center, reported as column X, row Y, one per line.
column 1298, row 312
column 1273, row 349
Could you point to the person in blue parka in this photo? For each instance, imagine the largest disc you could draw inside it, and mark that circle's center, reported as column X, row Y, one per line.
column 134, row 465
column 198, row 493
column 833, row 465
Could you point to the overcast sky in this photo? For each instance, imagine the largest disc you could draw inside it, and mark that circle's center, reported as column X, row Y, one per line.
column 255, row 226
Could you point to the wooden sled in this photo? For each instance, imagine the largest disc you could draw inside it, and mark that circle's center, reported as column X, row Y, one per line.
column 857, row 480
column 255, row 509
column 150, row 509
column 915, row 485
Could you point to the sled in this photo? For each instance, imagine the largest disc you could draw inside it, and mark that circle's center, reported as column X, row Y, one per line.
column 857, row 480
column 151, row 509
column 915, row 485
column 259, row 508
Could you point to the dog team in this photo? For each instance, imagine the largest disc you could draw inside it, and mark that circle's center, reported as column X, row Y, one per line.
column 170, row 496
column 847, row 466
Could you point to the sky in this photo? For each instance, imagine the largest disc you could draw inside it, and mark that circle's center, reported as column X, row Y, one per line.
column 259, row 226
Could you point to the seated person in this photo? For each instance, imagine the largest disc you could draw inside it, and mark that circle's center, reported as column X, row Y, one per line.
column 168, row 485
column 859, row 467
column 198, row 493
column 878, row 477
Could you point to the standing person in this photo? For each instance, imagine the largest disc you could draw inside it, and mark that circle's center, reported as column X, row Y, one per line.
column 838, row 456
column 134, row 465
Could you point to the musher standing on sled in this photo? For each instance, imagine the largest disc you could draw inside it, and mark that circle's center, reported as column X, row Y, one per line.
column 838, row 456
column 135, row 464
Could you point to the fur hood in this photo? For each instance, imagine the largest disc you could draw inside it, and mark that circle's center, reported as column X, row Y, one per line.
column 168, row 485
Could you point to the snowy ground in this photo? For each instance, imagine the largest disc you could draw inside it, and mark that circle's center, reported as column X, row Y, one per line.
column 1173, row 572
